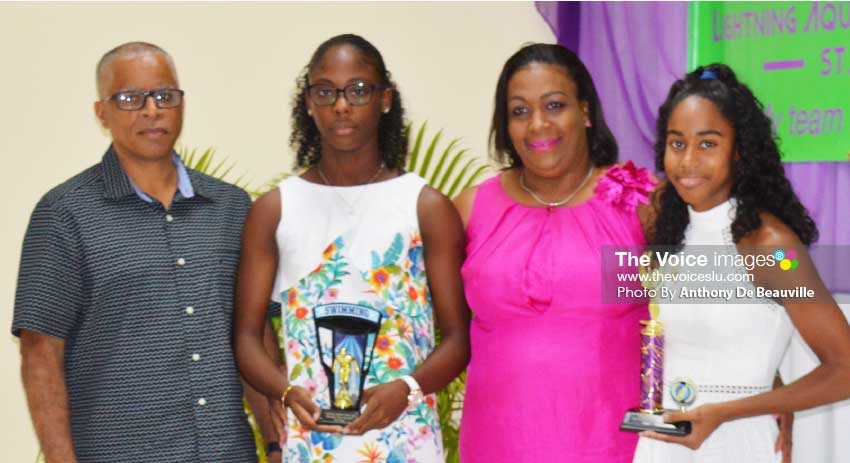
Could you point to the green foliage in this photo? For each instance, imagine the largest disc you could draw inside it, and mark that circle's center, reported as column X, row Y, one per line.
column 449, row 406
column 207, row 163
column 451, row 171
column 258, row 435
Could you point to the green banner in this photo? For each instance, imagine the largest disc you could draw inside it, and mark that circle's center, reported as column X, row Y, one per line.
column 795, row 56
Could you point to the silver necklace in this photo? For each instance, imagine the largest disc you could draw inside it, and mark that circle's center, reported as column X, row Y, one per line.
column 350, row 200
column 556, row 203
column 328, row 183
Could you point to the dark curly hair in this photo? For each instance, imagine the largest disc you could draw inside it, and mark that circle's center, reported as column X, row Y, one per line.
column 602, row 145
column 759, row 182
column 305, row 138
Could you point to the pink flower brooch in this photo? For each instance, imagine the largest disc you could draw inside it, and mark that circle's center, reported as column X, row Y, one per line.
column 625, row 186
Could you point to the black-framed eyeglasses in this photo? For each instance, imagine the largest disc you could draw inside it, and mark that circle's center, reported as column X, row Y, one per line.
column 134, row 100
column 357, row 94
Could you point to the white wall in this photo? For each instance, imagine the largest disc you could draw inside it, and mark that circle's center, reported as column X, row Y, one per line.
column 819, row 433
column 238, row 63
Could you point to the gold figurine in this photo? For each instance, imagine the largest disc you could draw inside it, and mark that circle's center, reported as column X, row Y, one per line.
column 342, row 366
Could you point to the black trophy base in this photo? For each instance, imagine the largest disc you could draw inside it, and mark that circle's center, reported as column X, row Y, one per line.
column 637, row 421
column 334, row 417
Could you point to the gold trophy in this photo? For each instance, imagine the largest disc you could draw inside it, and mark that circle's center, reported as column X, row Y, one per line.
column 647, row 416
column 346, row 335
column 342, row 366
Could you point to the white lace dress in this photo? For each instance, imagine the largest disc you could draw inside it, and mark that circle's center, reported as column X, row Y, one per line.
column 729, row 351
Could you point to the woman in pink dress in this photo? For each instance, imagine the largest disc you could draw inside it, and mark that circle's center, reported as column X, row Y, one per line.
column 553, row 368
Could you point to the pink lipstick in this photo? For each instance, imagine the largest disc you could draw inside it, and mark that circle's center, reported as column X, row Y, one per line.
column 543, row 145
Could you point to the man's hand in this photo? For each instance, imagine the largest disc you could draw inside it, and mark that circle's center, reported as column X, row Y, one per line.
column 275, row 457
column 43, row 372
column 279, row 419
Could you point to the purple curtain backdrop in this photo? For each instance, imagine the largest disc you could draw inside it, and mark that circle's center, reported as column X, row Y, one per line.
column 635, row 50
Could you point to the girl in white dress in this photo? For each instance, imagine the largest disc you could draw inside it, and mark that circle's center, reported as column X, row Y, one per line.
column 726, row 186
column 353, row 228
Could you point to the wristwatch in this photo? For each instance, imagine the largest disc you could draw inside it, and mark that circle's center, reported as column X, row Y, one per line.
column 272, row 447
column 415, row 397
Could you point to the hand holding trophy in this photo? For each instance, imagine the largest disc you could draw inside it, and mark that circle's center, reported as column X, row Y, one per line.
column 648, row 415
column 346, row 335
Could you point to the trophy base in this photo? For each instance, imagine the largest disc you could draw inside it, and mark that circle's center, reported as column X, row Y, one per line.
column 637, row 421
column 335, row 417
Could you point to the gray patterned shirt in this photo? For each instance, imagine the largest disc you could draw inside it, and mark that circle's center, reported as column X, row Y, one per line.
column 143, row 298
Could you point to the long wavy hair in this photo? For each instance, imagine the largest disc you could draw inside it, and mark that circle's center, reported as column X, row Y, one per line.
column 305, row 138
column 601, row 143
column 759, row 181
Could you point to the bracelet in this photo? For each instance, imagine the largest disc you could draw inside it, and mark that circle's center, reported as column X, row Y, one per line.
column 283, row 397
column 273, row 447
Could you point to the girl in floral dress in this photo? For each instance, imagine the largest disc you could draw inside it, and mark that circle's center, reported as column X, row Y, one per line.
column 354, row 228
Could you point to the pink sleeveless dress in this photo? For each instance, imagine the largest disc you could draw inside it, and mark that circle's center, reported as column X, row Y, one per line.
column 553, row 369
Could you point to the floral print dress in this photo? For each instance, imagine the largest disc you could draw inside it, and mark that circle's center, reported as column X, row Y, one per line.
column 358, row 245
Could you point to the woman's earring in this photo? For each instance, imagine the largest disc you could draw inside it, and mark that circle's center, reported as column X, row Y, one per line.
column 386, row 110
column 587, row 123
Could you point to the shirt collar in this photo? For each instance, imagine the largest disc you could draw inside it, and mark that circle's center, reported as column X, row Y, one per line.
column 119, row 184
column 184, row 185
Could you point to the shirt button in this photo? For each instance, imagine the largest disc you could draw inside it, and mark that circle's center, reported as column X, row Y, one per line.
column 181, row 261
column 169, row 218
column 202, row 401
column 196, row 357
column 190, row 310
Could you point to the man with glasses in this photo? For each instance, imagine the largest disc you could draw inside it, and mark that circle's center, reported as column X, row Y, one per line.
column 125, row 290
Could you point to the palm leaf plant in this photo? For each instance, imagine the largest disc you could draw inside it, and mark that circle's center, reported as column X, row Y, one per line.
column 206, row 163
column 449, row 170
